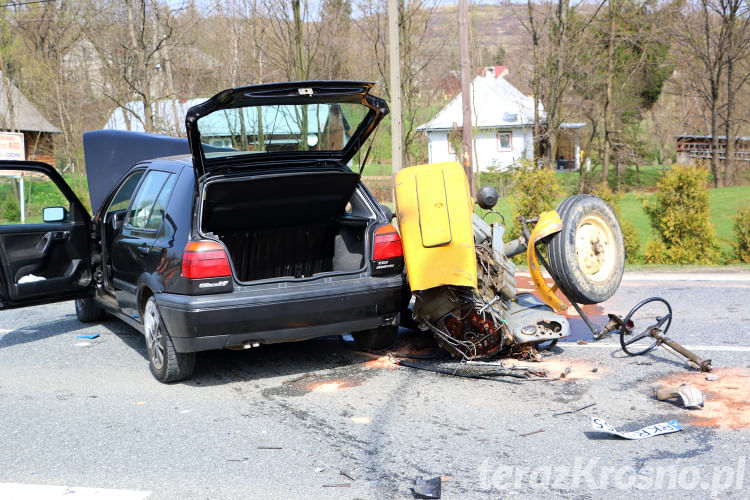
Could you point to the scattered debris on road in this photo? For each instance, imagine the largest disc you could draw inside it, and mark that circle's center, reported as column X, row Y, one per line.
column 269, row 448
column 724, row 408
column 688, row 395
column 90, row 337
column 712, row 378
column 531, row 433
column 466, row 371
column 647, row 432
column 429, row 488
column 347, row 475
column 573, row 411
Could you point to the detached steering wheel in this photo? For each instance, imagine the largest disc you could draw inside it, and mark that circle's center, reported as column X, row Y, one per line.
column 661, row 324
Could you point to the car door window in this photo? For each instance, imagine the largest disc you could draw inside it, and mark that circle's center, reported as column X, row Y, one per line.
column 147, row 209
column 125, row 193
column 23, row 198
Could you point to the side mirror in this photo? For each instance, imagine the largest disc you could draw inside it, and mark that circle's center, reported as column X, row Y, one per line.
column 387, row 211
column 54, row 214
column 487, row 197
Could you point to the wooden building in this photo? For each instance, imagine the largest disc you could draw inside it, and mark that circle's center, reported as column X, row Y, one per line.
column 693, row 148
column 19, row 117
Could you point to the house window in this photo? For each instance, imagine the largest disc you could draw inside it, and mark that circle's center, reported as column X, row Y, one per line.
column 504, row 141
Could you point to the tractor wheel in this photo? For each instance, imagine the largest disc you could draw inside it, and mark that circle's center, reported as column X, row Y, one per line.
column 587, row 257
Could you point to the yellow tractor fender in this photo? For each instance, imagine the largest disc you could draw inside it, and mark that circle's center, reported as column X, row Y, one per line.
column 549, row 223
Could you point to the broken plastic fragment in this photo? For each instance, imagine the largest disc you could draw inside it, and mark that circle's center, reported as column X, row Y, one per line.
column 429, row 488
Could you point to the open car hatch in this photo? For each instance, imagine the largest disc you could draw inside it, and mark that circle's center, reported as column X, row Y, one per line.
column 281, row 123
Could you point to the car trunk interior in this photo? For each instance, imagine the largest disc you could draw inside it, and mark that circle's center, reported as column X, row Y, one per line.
column 287, row 225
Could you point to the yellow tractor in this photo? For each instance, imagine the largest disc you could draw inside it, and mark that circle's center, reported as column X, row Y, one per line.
column 460, row 273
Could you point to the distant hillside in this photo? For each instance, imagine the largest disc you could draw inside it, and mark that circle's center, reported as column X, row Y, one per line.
column 492, row 25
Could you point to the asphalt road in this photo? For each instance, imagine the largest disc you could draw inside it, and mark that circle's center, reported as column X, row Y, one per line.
column 284, row 421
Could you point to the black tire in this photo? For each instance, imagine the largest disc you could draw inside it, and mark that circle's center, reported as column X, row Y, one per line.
column 166, row 364
column 87, row 311
column 375, row 338
column 587, row 257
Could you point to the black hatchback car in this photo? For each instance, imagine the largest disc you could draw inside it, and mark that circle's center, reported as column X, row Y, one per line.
column 254, row 230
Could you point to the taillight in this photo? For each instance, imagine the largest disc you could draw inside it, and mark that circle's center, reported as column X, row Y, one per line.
column 387, row 243
column 205, row 259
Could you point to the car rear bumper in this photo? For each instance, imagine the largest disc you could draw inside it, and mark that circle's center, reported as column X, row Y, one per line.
column 266, row 316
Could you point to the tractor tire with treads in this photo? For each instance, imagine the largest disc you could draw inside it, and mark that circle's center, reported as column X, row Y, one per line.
column 587, row 257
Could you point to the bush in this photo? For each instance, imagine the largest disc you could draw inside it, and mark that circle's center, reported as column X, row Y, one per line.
column 742, row 234
column 502, row 180
column 534, row 191
column 629, row 231
column 680, row 215
column 11, row 212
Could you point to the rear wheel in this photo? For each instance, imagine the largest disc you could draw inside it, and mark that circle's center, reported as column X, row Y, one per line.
column 375, row 338
column 166, row 364
column 587, row 256
column 87, row 311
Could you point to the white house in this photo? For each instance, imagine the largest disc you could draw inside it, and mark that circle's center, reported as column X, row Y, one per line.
column 503, row 122
column 169, row 116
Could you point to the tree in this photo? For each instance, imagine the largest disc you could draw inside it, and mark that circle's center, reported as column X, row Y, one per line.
column 558, row 31
column 734, row 14
column 633, row 59
column 702, row 39
column 418, row 46
column 131, row 38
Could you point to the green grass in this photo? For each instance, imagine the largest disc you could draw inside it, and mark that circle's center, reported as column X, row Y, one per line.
column 631, row 208
column 39, row 193
column 631, row 180
column 376, row 170
column 724, row 204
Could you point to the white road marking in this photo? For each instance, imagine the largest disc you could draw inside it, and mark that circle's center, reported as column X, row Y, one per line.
column 686, row 276
column 17, row 491
column 719, row 275
column 727, row 348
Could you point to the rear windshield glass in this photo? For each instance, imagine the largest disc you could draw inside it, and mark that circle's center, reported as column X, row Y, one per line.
column 286, row 127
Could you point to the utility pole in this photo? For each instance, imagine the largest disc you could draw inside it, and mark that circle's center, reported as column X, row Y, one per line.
column 463, row 41
column 397, row 152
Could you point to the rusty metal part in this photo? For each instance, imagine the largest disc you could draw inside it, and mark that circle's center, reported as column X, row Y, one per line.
column 689, row 395
column 693, row 360
column 462, row 323
column 615, row 323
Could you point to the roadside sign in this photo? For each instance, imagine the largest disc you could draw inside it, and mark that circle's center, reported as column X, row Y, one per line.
column 11, row 146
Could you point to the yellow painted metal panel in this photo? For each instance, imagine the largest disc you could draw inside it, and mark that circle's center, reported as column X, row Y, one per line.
column 432, row 201
column 549, row 223
column 421, row 226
